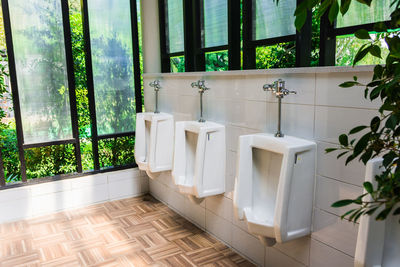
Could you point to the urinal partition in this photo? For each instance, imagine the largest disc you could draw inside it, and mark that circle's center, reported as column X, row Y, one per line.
column 292, row 208
column 154, row 142
column 199, row 158
column 378, row 242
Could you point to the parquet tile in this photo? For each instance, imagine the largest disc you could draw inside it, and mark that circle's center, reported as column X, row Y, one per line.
column 130, row 232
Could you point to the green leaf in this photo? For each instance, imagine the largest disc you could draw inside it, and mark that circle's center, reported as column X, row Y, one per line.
column 378, row 71
column 342, row 154
column 397, row 211
column 367, row 2
column 300, row 20
column 362, row 34
column 361, row 54
column 347, row 213
column 329, row 150
column 368, row 187
column 361, row 144
column 344, row 6
column 391, row 122
column 343, row 140
column 357, row 129
column 333, row 11
column 349, row 158
column 375, row 51
column 383, row 214
column 349, row 84
column 342, row 203
column 355, row 219
column 371, row 211
column 375, row 92
column 380, row 27
column 375, row 123
column 366, row 156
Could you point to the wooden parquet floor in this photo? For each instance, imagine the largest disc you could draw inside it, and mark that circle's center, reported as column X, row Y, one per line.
column 130, row 232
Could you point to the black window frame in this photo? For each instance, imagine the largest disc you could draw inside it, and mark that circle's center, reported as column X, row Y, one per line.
column 328, row 34
column 193, row 52
column 302, row 39
column 72, row 97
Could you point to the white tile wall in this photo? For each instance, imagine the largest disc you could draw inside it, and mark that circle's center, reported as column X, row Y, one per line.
column 36, row 200
column 321, row 111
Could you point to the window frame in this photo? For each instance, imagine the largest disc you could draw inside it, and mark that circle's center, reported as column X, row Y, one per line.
column 72, row 96
column 193, row 52
column 302, row 39
column 328, row 34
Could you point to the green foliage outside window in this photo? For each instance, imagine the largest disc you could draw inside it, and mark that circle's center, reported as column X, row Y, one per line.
column 217, row 61
column 177, row 64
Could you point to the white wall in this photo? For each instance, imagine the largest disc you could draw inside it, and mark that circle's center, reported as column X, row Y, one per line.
column 321, row 111
column 150, row 36
column 45, row 198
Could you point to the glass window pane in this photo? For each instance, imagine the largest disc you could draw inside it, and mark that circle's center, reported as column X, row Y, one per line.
column 112, row 60
column 215, row 15
column 347, row 47
column 276, row 56
column 41, row 69
column 217, row 61
column 117, row 151
column 270, row 20
column 50, row 161
column 174, row 27
column 177, row 64
column 362, row 14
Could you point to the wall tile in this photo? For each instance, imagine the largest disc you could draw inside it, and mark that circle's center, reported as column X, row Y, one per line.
column 124, row 174
column 88, row 195
column 323, row 255
column 329, row 191
column 88, row 181
column 330, row 122
column 275, row 258
column 255, row 115
column 44, row 204
column 248, row 245
column 298, row 249
column 195, row 212
column 329, row 93
column 177, row 201
column 53, row 187
column 297, row 120
column 220, row 206
column 333, row 231
column 14, row 194
column 160, row 191
column 328, row 165
column 125, row 188
column 16, row 209
column 303, row 84
column 219, row 227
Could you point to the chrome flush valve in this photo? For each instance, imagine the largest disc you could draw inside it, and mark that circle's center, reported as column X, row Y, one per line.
column 201, row 85
column 156, row 85
column 278, row 88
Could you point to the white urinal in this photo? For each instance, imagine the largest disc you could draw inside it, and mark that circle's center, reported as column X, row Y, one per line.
column 199, row 159
column 274, row 186
column 378, row 242
column 154, row 142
